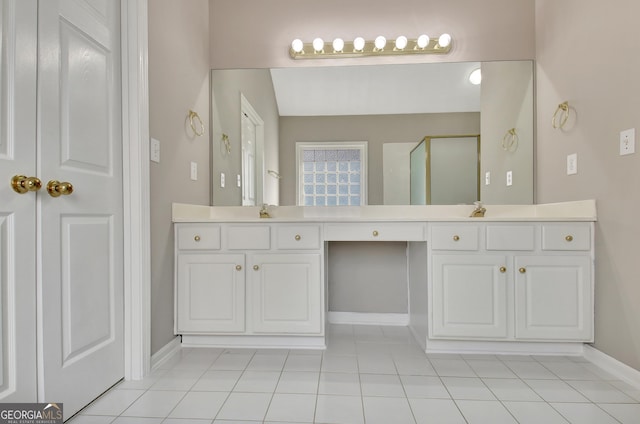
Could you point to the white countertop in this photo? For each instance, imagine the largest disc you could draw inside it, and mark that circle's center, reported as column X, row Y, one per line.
column 584, row 210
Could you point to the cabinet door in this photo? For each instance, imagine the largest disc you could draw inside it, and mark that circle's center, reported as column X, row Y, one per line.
column 554, row 298
column 286, row 293
column 210, row 293
column 469, row 296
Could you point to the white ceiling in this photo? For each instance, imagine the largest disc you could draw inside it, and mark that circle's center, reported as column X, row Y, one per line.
column 376, row 89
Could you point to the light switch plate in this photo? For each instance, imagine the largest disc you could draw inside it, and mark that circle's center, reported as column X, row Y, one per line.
column 238, row 180
column 155, row 150
column 222, row 180
column 572, row 164
column 194, row 171
column 487, row 178
column 628, row 141
column 509, row 178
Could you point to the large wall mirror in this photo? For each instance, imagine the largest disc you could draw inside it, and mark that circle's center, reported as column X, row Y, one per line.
column 392, row 107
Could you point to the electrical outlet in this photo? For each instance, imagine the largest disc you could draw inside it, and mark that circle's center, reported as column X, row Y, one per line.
column 572, row 164
column 509, row 178
column 222, row 180
column 194, row 171
column 155, row 150
column 627, row 141
column 238, row 180
column 487, row 178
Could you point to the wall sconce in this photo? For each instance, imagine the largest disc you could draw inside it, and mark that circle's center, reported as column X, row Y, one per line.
column 226, row 142
column 360, row 47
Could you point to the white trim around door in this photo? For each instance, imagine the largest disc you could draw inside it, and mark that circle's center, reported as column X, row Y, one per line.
column 135, row 127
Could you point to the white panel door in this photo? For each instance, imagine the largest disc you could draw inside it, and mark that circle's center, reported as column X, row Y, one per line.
column 248, row 160
column 18, row 43
column 470, row 296
column 285, row 293
column 210, row 293
column 79, row 141
column 554, row 298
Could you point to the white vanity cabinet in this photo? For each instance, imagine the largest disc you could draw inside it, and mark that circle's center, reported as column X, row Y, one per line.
column 515, row 281
column 240, row 279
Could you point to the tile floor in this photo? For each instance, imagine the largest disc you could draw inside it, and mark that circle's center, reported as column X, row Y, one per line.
column 368, row 374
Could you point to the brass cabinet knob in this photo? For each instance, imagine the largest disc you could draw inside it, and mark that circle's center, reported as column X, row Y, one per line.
column 256, row 267
column 57, row 188
column 569, row 238
column 522, row 270
column 297, row 237
column 197, row 238
column 22, row 184
column 456, row 238
column 238, row 267
column 375, row 233
column 503, row 269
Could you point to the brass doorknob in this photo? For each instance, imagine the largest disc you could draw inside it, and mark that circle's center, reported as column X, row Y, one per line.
column 56, row 188
column 522, row 270
column 569, row 238
column 238, row 267
column 503, row 269
column 256, row 267
column 456, row 238
column 23, row 184
column 297, row 237
column 376, row 233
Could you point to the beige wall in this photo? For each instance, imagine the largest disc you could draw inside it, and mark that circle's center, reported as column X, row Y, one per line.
column 178, row 81
column 257, row 33
column 375, row 129
column 587, row 53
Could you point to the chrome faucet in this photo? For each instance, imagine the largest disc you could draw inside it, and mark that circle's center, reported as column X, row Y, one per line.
column 479, row 211
column 264, row 213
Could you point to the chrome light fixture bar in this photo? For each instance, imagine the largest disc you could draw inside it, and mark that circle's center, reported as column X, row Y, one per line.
column 319, row 49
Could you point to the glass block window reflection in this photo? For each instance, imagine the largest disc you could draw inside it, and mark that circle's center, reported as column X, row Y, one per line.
column 332, row 175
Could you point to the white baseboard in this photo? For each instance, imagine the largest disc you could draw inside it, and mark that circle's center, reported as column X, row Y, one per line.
column 360, row 318
column 612, row 366
column 165, row 353
column 254, row 341
column 504, row 347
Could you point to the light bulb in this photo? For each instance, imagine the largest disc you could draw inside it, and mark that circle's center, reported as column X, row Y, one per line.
column 475, row 77
column 297, row 45
column 444, row 40
column 318, row 44
column 423, row 41
column 380, row 42
column 338, row 45
column 358, row 44
column 401, row 42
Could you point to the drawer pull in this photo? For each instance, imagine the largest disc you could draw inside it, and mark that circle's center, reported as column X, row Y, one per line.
column 569, row 238
column 197, row 238
column 375, row 233
column 522, row 270
column 456, row 238
column 297, row 237
column 256, row 267
column 238, row 267
column 503, row 269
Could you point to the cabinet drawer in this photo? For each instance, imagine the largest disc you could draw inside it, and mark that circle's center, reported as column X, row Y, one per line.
column 454, row 237
column 566, row 236
column 248, row 237
column 511, row 237
column 298, row 237
column 198, row 237
column 387, row 231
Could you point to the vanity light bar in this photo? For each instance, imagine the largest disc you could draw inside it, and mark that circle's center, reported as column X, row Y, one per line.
column 359, row 47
